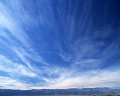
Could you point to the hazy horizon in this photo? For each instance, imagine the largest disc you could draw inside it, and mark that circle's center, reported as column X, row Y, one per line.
column 63, row 88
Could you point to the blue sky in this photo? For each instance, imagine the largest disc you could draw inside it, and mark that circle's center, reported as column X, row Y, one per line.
column 59, row 44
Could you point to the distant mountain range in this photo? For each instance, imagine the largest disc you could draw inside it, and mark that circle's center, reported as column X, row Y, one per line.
column 72, row 91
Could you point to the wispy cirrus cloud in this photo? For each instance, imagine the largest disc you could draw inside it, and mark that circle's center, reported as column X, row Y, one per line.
column 19, row 56
column 14, row 32
column 10, row 83
column 14, row 68
column 89, row 79
column 83, row 45
column 58, row 45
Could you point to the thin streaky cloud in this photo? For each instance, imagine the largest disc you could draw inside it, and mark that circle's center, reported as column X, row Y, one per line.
column 14, row 68
column 59, row 44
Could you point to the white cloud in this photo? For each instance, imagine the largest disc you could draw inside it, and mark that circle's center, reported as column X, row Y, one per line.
column 13, row 17
column 90, row 79
column 87, row 63
column 12, row 24
column 10, row 83
column 14, row 68
column 23, row 53
column 19, row 41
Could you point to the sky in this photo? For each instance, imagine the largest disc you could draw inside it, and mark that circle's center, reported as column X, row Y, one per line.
column 59, row 44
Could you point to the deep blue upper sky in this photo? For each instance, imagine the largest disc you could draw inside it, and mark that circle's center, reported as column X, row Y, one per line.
column 59, row 44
